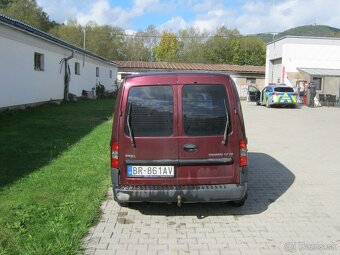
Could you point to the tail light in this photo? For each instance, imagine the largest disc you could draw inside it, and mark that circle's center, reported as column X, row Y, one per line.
column 114, row 155
column 243, row 153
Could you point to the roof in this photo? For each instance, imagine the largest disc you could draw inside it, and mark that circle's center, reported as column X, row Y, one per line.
column 304, row 38
column 320, row 71
column 190, row 67
column 41, row 34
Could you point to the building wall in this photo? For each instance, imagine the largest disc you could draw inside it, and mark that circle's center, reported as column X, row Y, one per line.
column 242, row 84
column 21, row 84
column 87, row 78
column 300, row 52
column 332, row 86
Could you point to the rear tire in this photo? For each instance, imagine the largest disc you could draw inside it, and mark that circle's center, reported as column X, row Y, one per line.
column 123, row 204
column 239, row 203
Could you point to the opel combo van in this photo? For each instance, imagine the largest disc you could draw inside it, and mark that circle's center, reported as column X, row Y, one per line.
column 178, row 138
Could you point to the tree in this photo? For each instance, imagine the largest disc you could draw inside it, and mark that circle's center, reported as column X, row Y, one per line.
column 223, row 47
column 26, row 11
column 253, row 50
column 71, row 32
column 167, row 48
column 135, row 47
column 192, row 41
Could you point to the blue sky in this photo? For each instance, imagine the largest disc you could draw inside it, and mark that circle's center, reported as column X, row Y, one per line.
column 248, row 17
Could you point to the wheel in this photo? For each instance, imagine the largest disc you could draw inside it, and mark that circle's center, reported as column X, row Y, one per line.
column 258, row 103
column 123, row 204
column 241, row 202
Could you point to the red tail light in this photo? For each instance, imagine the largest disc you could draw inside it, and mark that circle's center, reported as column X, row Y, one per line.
column 114, row 155
column 243, row 153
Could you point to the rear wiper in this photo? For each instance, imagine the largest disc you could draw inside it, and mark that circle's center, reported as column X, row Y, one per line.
column 128, row 120
column 225, row 134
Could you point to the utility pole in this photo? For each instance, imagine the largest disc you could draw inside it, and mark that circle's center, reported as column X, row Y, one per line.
column 84, row 41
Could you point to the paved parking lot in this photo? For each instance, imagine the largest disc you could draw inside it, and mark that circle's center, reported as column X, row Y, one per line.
column 293, row 205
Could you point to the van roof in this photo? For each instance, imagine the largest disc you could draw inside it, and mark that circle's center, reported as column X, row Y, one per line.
column 175, row 74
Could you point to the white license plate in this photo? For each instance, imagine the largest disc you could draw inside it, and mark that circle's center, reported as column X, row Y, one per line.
column 151, row 171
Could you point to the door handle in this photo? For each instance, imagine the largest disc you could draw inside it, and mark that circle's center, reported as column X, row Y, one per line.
column 190, row 147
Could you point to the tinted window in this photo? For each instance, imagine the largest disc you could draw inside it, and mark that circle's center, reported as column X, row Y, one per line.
column 269, row 89
column 204, row 109
column 151, row 111
column 284, row 89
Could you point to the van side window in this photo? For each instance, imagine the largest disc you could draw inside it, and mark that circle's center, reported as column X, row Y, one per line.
column 151, row 111
column 204, row 110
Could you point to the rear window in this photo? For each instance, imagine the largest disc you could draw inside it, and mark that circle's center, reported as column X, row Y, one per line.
column 151, row 111
column 284, row 89
column 204, row 110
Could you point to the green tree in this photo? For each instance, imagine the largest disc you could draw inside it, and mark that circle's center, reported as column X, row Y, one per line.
column 223, row 47
column 135, row 47
column 106, row 41
column 167, row 48
column 253, row 51
column 71, row 32
column 28, row 12
column 192, row 41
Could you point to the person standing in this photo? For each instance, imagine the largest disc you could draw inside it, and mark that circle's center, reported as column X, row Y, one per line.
column 312, row 93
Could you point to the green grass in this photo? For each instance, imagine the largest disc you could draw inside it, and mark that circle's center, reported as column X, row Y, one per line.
column 54, row 173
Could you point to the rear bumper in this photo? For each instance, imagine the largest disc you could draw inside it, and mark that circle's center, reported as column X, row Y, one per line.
column 188, row 194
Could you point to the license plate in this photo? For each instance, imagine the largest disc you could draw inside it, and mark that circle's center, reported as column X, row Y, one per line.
column 151, row 171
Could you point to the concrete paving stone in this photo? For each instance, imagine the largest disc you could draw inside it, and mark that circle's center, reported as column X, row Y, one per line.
column 152, row 241
column 188, row 241
column 117, row 246
column 230, row 252
column 293, row 186
column 179, row 247
column 210, row 252
column 104, row 252
column 128, row 241
column 89, row 251
column 168, row 252
column 152, row 247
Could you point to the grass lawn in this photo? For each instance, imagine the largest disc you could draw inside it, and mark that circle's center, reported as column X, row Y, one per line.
column 54, row 173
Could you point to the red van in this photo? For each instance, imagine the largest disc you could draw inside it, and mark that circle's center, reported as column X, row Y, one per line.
column 178, row 137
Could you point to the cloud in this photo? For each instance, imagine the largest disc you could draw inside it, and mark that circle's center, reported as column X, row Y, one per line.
column 248, row 16
column 259, row 16
column 174, row 24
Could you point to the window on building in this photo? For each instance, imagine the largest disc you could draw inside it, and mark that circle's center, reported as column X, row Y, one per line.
column 318, row 82
column 251, row 81
column 38, row 61
column 110, row 74
column 77, row 68
column 97, row 71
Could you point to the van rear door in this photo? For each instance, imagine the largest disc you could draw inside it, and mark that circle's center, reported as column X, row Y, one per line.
column 148, row 151
column 208, row 143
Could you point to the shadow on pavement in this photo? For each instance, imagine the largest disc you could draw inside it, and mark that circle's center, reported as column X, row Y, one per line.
column 268, row 180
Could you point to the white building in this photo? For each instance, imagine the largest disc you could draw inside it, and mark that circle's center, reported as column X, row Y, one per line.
column 32, row 66
column 295, row 59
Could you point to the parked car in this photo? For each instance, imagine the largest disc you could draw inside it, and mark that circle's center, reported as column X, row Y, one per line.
column 278, row 96
column 178, row 137
column 253, row 94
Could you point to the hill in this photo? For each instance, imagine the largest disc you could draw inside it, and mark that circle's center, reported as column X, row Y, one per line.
column 309, row 30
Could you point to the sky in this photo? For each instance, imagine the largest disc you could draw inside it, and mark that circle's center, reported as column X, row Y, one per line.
column 249, row 17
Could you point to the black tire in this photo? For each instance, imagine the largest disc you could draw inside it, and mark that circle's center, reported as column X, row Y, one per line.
column 258, row 103
column 241, row 202
column 123, row 204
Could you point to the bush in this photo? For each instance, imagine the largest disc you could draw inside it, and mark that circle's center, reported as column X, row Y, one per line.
column 100, row 90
